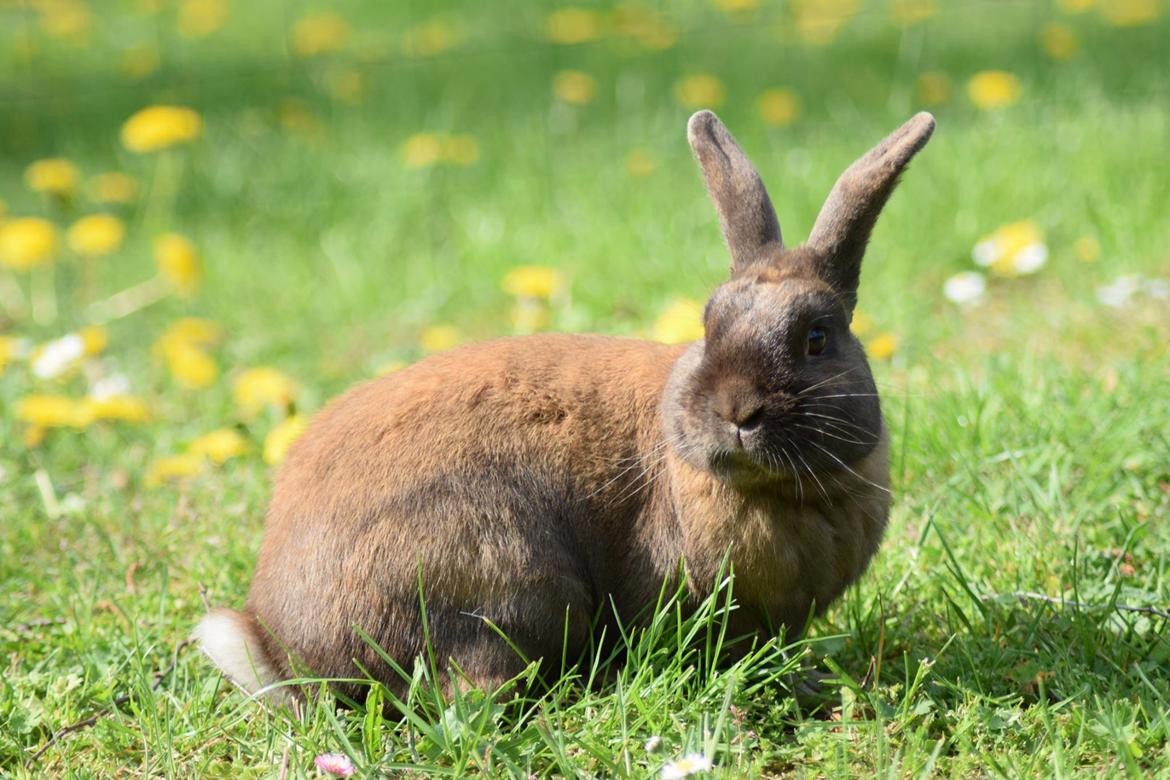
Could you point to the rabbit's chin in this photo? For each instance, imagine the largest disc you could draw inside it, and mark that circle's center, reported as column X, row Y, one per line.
column 744, row 468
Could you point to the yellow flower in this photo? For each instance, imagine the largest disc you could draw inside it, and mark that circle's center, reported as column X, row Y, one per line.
column 651, row 30
column 779, row 107
column 1059, row 41
column 200, row 18
column 699, row 91
column 320, row 33
column 113, row 187
column 256, row 388
column 932, row 88
column 1015, row 249
column 992, row 89
column 172, row 468
column 422, row 150
column 680, row 321
column 189, row 331
column 52, row 411
column 908, row 12
column 573, row 25
column 190, row 366
column 882, row 346
column 533, row 281
column 460, row 149
column 178, row 262
column 281, row 438
column 862, row 323
column 219, row 445
column 573, row 86
column 733, row 6
column 94, row 339
column 54, row 176
column 65, row 18
column 432, row 37
column 639, row 163
column 126, row 408
column 95, row 235
column 27, row 242
column 140, row 61
column 159, row 127
column 1087, row 249
column 1075, row 6
column 817, row 21
column 1129, row 13
column 436, row 338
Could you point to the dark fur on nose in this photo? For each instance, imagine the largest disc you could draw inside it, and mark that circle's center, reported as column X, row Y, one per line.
column 739, row 403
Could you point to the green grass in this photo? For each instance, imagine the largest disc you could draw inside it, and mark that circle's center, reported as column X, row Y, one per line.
column 1031, row 434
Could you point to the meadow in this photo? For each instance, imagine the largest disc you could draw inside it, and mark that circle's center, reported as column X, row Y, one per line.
column 294, row 197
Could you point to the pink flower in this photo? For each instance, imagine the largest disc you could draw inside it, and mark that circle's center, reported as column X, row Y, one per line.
column 335, row 764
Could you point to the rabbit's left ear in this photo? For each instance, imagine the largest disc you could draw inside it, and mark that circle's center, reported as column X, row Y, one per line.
column 745, row 211
column 842, row 228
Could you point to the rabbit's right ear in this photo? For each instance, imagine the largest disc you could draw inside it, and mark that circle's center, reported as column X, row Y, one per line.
column 745, row 211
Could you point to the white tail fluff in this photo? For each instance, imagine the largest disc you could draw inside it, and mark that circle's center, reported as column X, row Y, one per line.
column 226, row 637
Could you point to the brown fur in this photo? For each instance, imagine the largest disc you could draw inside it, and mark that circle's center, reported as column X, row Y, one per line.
column 531, row 481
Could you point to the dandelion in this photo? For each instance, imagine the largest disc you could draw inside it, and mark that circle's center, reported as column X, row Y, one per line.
column 200, row 18
column 1015, row 249
column 432, row 37
column 818, row 21
column 65, row 18
column 1059, row 41
column 699, row 90
column 965, row 288
column 160, row 127
column 94, row 339
column 320, row 33
column 908, row 12
column 882, row 346
column 573, row 25
column 219, row 445
column 56, row 357
column 1087, row 249
column 27, row 242
column 533, row 281
column 779, row 107
column 437, row 338
column 932, row 88
column 113, row 187
column 422, row 150
column 281, row 438
column 681, row 321
column 178, row 263
column 862, row 323
column 190, row 366
column 639, row 163
column 575, row 87
column 1075, row 6
column 1129, row 13
column 337, row 764
column 992, row 89
column 256, row 388
column 736, row 6
column 460, row 149
column 54, row 176
column 95, row 235
column 173, row 468
column 51, row 411
column 121, row 406
column 690, row 764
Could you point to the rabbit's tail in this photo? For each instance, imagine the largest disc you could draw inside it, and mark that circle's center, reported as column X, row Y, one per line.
column 229, row 639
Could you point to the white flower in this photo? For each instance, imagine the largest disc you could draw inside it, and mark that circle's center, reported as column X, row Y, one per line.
column 1030, row 259
column 965, row 288
column 1120, row 291
column 57, row 356
column 690, row 764
column 108, row 386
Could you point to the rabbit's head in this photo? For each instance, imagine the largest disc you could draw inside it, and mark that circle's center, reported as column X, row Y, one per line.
column 780, row 388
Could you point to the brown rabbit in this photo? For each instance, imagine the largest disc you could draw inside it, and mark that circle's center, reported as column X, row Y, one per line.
column 529, row 481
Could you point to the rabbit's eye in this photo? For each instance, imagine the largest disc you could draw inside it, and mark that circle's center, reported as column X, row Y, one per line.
column 817, row 339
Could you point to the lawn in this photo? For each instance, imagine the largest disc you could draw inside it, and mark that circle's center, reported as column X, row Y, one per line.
column 358, row 188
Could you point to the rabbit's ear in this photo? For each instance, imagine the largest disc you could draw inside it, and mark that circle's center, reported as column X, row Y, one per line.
column 745, row 211
column 842, row 228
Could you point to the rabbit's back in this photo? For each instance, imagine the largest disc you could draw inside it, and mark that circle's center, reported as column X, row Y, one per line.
column 502, row 476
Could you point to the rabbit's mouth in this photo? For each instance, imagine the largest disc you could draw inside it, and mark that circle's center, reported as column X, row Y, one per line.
column 742, row 467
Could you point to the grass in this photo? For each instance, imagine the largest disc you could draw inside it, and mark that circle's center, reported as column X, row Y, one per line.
column 1031, row 445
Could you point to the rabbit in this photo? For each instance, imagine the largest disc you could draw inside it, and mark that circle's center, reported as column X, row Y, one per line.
column 533, row 483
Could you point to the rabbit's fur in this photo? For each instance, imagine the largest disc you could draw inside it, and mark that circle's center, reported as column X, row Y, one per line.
column 530, row 481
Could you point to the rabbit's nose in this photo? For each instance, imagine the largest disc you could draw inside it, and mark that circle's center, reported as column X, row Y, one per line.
column 741, row 411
